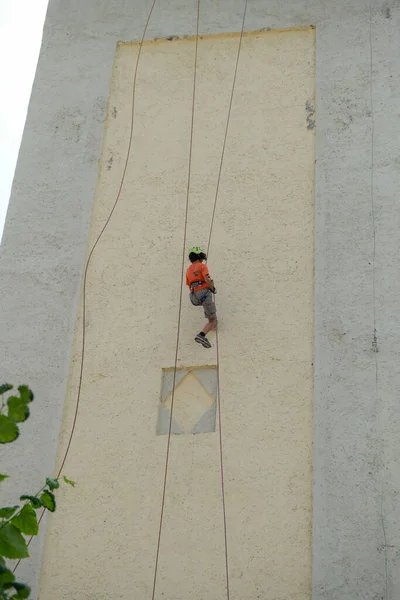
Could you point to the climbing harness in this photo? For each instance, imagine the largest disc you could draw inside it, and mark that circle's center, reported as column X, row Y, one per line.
column 198, row 301
column 195, row 286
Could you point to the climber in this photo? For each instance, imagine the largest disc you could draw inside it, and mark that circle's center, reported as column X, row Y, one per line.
column 201, row 288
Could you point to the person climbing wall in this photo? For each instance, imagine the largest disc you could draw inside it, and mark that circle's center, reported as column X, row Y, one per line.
column 201, row 288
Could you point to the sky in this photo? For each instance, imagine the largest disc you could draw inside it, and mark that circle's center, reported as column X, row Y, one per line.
column 21, row 26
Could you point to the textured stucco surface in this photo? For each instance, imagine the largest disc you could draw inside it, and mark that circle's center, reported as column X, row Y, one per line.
column 355, row 526
column 266, row 379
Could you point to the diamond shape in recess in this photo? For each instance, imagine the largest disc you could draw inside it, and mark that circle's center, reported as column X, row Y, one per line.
column 194, row 406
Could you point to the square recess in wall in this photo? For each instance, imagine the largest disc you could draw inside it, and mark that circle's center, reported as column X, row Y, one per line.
column 195, row 401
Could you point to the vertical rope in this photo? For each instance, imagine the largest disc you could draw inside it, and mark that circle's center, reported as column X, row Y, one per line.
column 180, row 301
column 221, row 448
column 227, row 125
column 101, row 234
column 84, row 291
column 221, row 462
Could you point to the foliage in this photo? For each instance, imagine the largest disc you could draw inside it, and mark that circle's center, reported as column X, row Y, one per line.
column 14, row 410
column 21, row 519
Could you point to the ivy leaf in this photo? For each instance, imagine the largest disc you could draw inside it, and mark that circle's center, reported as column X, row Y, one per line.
column 22, row 590
column 48, row 500
column 52, row 483
column 3, row 477
column 5, row 387
column 7, row 511
column 12, row 543
column 69, row 481
column 26, row 521
column 34, row 500
column 8, row 430
column 18, row 410
column 25, row 393
column 6, row 576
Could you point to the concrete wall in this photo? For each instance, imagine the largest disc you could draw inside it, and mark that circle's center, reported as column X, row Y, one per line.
column 355, row 526
column 262, row 238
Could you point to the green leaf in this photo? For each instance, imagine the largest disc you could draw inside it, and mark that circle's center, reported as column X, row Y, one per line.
column 8, row 430
column 26, row 521
column 48, row 500
column 69, row 481
column 7, row 511
column 5, row 387
column 12, row 543
column 34, row 500
column 3, row 477
column 5, row 575
column 18, row 410
column 52, row 483
column 22, row 590
column 25, row 393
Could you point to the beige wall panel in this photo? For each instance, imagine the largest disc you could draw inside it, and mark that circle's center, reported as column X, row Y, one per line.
column 102, row 541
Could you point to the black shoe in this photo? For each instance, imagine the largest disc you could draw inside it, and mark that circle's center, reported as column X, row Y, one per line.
column 201, row 339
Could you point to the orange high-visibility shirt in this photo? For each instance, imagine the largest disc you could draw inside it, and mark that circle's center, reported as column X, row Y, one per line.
column 197, row 272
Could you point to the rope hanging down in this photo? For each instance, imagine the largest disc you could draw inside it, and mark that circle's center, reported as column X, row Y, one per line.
column 221, row 450
column 78, row 395
column 128, row 154
column 180, row 303
column 180, row 299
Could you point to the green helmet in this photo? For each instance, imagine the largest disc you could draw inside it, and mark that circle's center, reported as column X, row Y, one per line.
column 196, row 250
